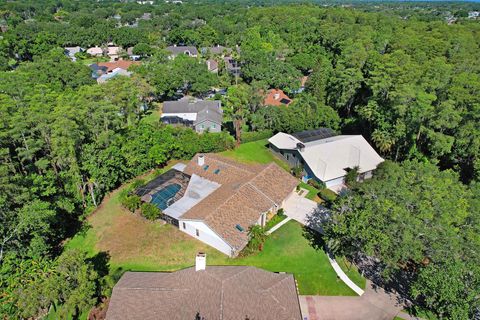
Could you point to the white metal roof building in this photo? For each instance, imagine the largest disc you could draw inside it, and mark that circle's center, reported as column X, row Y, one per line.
column 328, row 159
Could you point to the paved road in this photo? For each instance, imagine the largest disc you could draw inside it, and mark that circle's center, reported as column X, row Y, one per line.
column 375, row 304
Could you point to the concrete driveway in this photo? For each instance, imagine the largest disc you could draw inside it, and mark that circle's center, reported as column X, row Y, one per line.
column 375, row 304
column 305, row 211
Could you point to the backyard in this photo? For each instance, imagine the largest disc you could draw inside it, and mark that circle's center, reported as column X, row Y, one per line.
column 130, row 242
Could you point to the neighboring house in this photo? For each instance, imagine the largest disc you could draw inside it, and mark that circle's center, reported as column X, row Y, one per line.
column 216, row 199
column 131, row 55
column 187, row 50
column 146, row 16
column 473, row 14
column 216, row 50
column 232, row 66
column 71, row 51
column 212, row 65
column 276, row 97
column 113, row 52
column 114, row 73
column 326, row 157
column 95, row 51
column 202, row 115
column 205, row 292
column 122, row 64
column 104, row 71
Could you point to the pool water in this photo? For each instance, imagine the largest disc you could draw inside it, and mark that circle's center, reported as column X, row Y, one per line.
column 162, row 197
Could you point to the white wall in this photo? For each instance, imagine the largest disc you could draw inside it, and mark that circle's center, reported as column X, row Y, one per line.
column 186, row 116
column 206, row 235
column 334, row 182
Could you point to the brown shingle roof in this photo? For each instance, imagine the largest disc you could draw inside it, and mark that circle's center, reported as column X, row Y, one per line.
column 123, row 64
column 228, row 292
column 276, row 97
column 246, row 192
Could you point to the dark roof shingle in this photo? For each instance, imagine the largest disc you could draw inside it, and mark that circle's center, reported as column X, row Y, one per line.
column 227, row 292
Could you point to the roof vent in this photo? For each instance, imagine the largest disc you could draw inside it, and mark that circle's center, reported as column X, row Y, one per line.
column 239, row 228
column 201, row 160
column 200, row 261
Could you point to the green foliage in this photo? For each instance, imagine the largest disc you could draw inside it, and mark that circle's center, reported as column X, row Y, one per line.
column 352, row 175
column 327, row 195
column 316, row 184
column 250, row 136
column 391, row 217
column 297, row 171
column 150, row 211
column 303, row 114
column 257, row 236
column 69, row 283
column 131, row 202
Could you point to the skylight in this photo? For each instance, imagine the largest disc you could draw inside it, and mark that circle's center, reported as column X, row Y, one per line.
column 239, row 228
column 216, row 171
column 206, row 167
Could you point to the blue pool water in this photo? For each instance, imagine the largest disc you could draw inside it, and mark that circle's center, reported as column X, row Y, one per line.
column 162, row 197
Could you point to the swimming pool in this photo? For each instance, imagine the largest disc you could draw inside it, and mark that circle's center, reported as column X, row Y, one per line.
column 162, row 197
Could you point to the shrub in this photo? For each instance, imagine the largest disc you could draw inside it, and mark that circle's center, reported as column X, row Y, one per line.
column 327, row 195
column 150, row 211
column 351, row 176
column 280, row 212
column 297, row 171
column 317, row 185
column 137, row 183
column 131, row 202
column 256, row 135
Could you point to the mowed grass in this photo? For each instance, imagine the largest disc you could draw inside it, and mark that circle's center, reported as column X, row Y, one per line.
column 255, row 152
column 287, row 250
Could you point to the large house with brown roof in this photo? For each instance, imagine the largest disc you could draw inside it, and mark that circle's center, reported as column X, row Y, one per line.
column 201, row 292
column 221, row 199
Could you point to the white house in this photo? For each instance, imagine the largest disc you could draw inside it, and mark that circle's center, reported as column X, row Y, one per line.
column 326, row 157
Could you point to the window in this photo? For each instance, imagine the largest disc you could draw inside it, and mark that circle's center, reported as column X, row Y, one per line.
column 197, row 232
column 184, row 226
column 214, row 126
column 202, row 126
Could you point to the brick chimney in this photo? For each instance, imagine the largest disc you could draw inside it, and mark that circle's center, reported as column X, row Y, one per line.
column 201, row 160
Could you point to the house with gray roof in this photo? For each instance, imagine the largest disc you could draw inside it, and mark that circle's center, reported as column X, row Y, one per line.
column 175, row 50
column 205, row 292
column 201, row 115
column 71, row 51
column 217, row 50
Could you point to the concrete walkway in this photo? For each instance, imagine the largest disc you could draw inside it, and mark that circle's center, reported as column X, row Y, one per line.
column 276, row 227
column 344, row 277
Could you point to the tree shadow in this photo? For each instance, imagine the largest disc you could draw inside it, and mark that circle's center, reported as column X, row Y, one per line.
column 101, row 263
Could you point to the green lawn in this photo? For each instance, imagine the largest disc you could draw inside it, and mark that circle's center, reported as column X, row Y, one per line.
column 312, row 192
column 287, row 250
column 351, row 271
column 255, row 151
